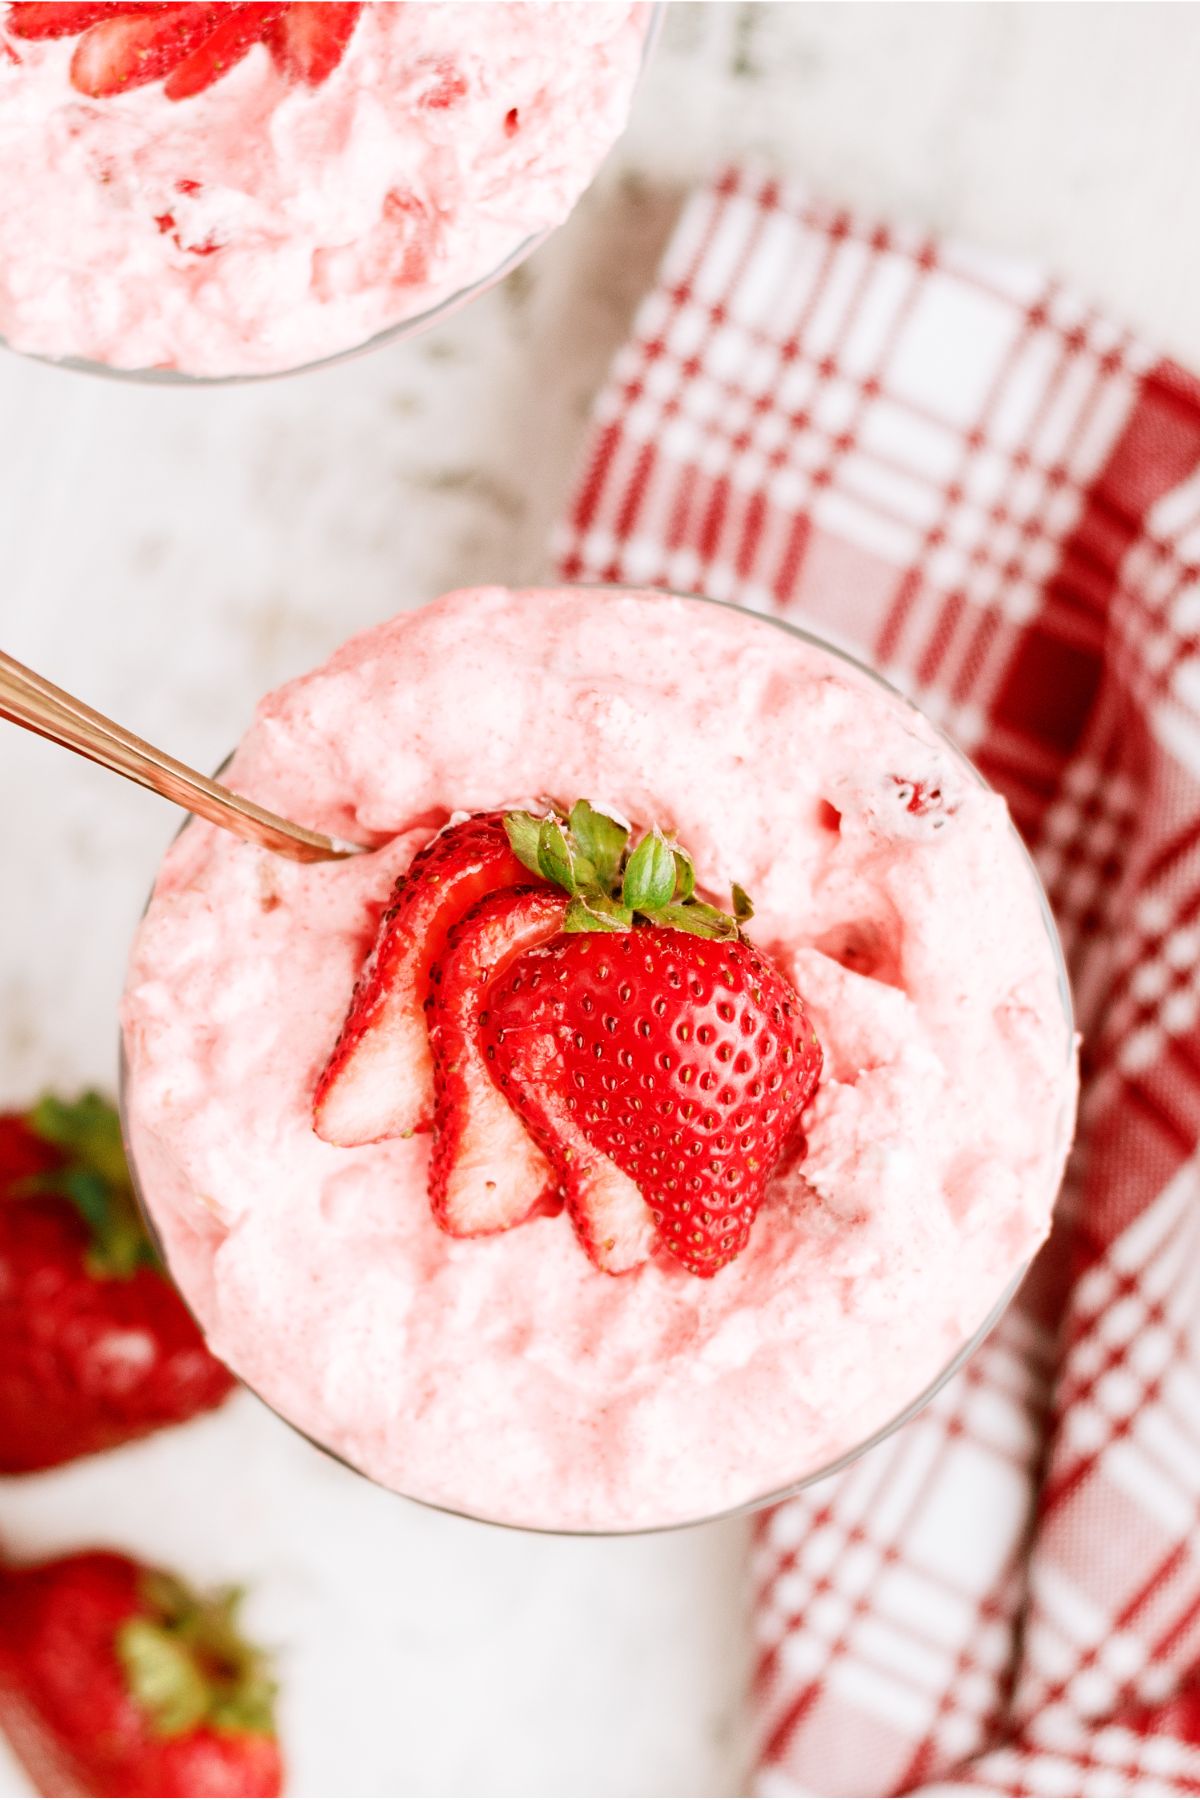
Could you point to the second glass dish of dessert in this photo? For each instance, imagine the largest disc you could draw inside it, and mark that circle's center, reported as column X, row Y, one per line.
column 219, row 191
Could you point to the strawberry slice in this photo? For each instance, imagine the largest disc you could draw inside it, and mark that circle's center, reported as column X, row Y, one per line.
column 67, row 20
column 612, row 1221
column 309, row 41
column 486, row 1173
column 126, row 46
column 125, row 52
column 521, row 1037
column 241, row 27
column 378, row 1082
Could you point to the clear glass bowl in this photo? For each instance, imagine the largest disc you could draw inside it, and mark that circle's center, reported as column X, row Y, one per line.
column 1066, row 1125
column 391, row 334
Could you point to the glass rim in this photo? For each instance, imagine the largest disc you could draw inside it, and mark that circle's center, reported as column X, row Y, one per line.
column 1066, row 1127
column 411, row 326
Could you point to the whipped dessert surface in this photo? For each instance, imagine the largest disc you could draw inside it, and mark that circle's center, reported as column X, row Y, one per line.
column 264, row 223
column 506, row 1376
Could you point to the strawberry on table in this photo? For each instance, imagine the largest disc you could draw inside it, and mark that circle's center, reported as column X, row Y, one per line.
column 117, row 1679
column 96, row 1347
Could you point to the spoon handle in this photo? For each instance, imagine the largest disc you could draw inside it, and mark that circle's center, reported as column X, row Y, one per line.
column 30, row 700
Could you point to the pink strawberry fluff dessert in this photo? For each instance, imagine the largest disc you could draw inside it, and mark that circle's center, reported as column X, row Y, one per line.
column 240, row 189
column 658, row 1108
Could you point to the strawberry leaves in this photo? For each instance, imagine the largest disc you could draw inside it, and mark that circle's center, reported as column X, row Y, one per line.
column 588, row 855
column 186, row 1663
column 685, row 875
column 649, row 880
column 597, row 913
column 525, row 836
column 700, row 919
column 601, row 839
column 559, row 860
column 94, row 1177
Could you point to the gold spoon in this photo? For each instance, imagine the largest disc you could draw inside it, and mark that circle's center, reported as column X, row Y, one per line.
column 29, row 700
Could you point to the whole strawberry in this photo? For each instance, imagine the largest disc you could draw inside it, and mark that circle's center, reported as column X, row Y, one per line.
column 678, row 1063
column 117, row 1679
column 658, row 1060
column 96, row 1347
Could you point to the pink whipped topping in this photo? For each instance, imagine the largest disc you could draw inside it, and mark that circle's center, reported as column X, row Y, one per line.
column 506, row 1376
column 265, row 224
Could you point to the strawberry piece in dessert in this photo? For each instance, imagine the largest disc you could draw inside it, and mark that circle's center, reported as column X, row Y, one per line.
column 660, row 1061
column 188, row 47
column 378, row 1082
column 486, row 1173
column 523, row 1057
column 606, row 1034
column 126, row 50
column 64, row 18
column 239, row 28
column 309, row 40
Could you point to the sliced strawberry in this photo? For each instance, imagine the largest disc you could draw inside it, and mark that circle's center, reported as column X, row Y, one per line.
column 486, row 1173
column 126, row 46
column 521, row 1033
column 241, row 27
column 67, row 20
column 521, row 1051
column 128, row 52
column 663, row 1074
column 309, row 41
column 378, row 1082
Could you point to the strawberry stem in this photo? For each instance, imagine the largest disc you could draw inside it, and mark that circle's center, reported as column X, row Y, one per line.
column 613, row 883
column 187, row 1664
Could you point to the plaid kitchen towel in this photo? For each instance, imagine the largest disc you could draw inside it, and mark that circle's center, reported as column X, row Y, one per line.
column 944, row 461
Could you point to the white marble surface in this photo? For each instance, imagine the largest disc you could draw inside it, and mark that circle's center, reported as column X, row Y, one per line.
column 170, row 554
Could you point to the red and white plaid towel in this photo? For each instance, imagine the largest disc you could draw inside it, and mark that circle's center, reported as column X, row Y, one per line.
column 943, row 460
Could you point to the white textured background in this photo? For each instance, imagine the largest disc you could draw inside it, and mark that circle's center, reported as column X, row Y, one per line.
column 170, row 554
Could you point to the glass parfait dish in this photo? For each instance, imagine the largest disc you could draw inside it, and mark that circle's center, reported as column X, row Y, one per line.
column 464, row 1284
column 370, row 225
